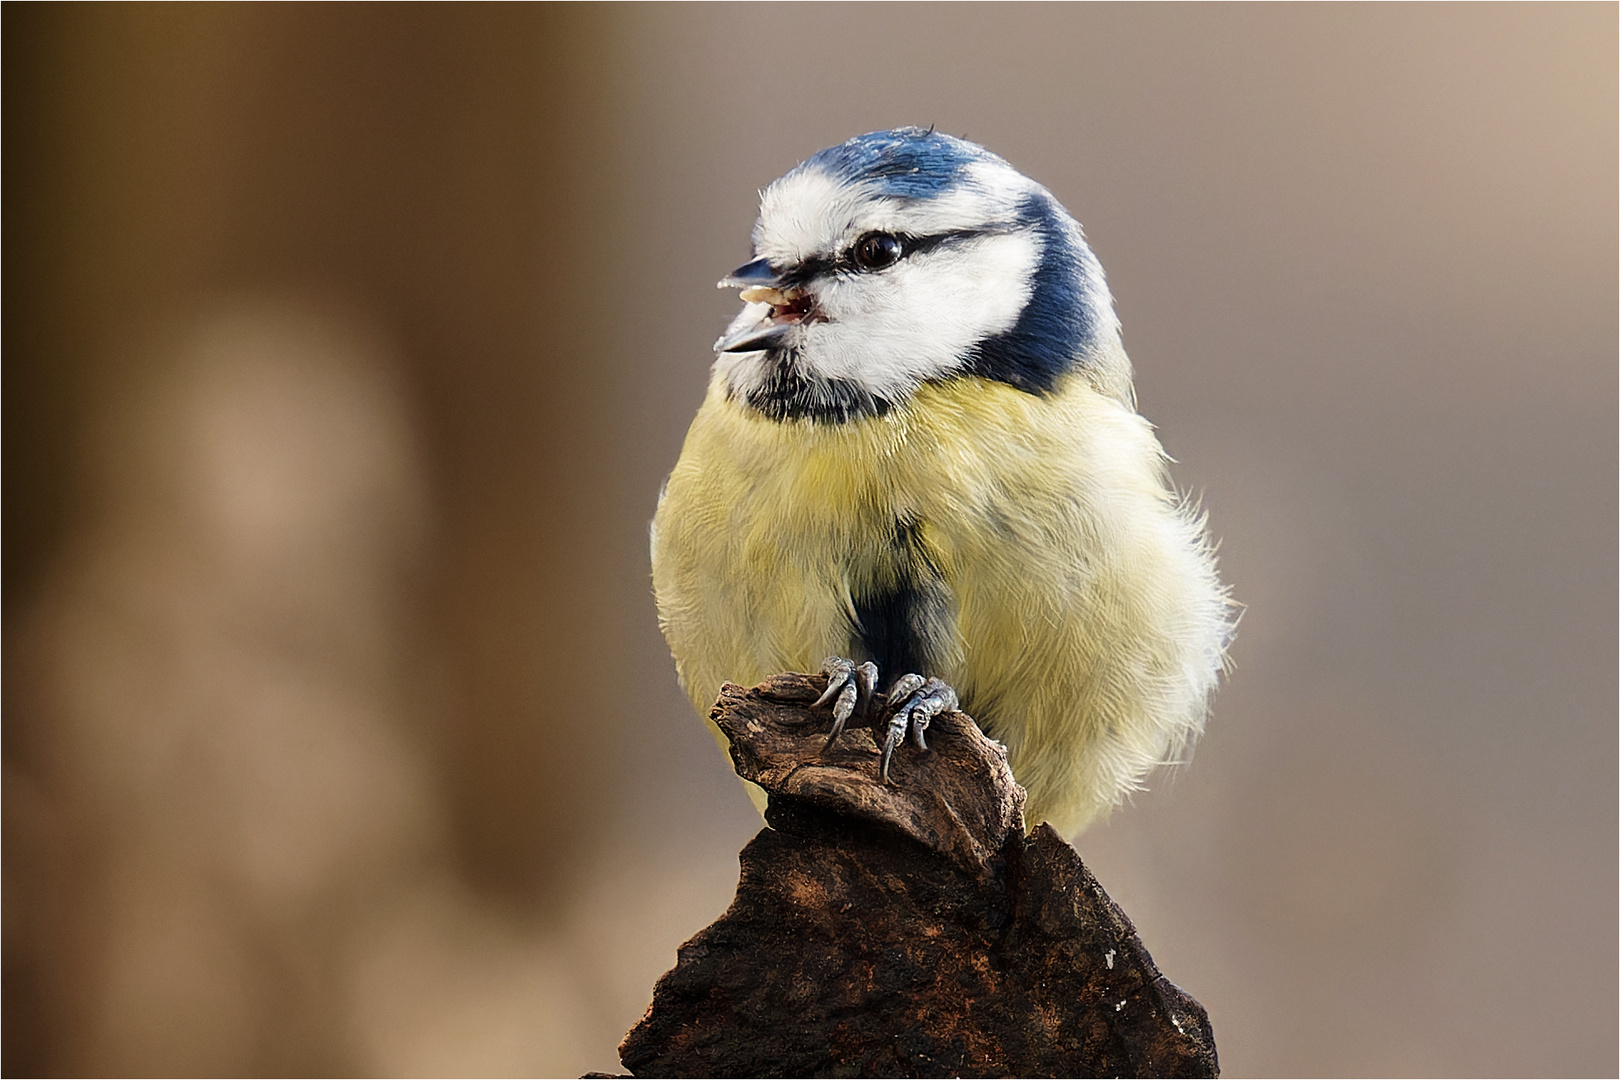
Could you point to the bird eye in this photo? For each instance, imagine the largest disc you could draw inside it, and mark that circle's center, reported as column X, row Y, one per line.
column 876, row 250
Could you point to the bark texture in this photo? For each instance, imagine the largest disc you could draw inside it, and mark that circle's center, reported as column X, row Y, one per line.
column 907, row 929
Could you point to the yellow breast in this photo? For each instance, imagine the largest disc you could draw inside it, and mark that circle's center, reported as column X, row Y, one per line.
column 1079, row 590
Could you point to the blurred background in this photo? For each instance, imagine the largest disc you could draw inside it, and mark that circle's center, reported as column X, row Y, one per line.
column 345, row 350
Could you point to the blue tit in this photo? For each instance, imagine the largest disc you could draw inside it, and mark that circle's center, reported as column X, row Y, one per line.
column 919, row 455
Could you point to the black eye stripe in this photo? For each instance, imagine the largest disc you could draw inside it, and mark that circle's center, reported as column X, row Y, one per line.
column 913, row 245
column 844, row 263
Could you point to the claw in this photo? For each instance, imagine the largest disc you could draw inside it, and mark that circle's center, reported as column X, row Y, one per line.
column 843, row 709
column 891, row 739
column 838, row 671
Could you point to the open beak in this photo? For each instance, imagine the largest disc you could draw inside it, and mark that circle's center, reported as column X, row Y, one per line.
column 785, row 308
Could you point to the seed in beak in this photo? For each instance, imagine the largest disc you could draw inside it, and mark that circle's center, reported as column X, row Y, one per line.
column 787, row 305
column 763, row 295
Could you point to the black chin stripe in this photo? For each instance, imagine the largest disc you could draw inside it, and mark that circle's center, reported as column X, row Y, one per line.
column 904, row 616
column 788, row 393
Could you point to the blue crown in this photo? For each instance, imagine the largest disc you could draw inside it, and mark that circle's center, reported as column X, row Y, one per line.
column 906, row 163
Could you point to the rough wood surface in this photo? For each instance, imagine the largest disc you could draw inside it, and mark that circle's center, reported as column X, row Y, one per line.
column 908, row 929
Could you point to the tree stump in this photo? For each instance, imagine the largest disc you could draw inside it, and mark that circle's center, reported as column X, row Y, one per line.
column 906, row 929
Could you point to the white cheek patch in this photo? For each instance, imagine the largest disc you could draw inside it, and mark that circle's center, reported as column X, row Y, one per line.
column 919, row 319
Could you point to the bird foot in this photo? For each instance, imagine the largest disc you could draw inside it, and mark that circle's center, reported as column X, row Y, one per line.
column 915, row 702
column 848, row 688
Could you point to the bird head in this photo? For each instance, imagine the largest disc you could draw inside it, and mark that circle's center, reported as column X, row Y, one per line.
column 907, row 256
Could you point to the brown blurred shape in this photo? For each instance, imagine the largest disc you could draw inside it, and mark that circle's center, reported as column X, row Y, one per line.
column 211, row 472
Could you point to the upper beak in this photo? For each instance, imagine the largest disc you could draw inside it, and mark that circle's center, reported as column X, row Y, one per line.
column 756, row 273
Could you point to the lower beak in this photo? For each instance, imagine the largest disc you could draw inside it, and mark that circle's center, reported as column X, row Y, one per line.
column 755, row 336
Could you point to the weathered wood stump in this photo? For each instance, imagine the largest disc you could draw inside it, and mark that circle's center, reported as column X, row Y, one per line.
column 907, row 929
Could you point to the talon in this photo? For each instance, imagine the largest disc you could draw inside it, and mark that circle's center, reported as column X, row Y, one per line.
column 837, row 670
column 891, row 739
column 843, row 709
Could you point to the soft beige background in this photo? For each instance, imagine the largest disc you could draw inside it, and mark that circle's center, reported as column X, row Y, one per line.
column 345, row 348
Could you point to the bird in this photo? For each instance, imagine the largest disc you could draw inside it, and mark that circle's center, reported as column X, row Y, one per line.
column 919, row 468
